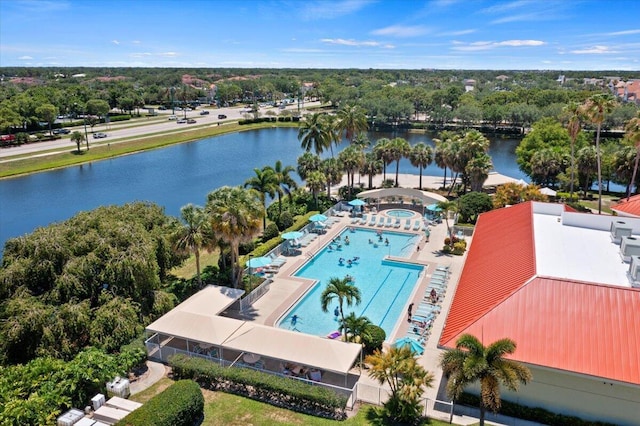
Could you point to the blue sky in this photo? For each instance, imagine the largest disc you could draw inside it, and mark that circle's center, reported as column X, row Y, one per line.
column 400, row 34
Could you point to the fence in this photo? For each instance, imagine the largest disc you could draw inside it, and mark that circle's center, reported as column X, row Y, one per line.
column 252, row 297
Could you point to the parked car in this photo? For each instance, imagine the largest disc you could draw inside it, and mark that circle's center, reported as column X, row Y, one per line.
column 173, row 117
column 221, row 116
column 191, row 121
column 205, row 112
column 99, row 135
column 61, row 131
column 181, row 121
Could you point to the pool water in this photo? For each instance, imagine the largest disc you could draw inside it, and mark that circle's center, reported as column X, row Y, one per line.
column 400, row 213
column 385, row 286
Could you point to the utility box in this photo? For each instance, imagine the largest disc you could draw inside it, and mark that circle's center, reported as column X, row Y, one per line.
column 629, row 246
column 119, row 387
column 70, row 418
column 618, row 230
column 97, row 401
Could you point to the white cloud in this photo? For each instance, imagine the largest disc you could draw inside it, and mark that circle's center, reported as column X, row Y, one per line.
column 136, row 42
column 623, row 33
column 140, row 55
column 402, row 31
column 300, row 50
column 116, row 42
column 25, row 58
column 457, row 33
column 594, row 50
column 331, row 10
column 168, row 54
column 356, row 43
column 486, row 45
column 505, row 7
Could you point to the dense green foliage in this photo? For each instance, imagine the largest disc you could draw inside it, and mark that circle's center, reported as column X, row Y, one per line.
column 472, row 204
column 91, row 280
column 373, row 338
column 181, row 404
column 275, row 390
column 37, row 392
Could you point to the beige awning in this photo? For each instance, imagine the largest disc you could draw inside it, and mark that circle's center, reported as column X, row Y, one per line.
column 195, row 327
column 496, row 179
column 303, row 349
column 212, row 299
column 409, row 193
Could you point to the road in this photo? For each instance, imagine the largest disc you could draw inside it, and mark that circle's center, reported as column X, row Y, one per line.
column 118, row 131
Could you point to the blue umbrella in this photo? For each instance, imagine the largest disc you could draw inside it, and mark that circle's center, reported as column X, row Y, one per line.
column 294, row 235
column 415, row 347
column 318, row 218
column 434, row 208
column 357, row 202
column 259, row 262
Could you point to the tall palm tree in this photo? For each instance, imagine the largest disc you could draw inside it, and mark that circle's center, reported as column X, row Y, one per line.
column 191, row 236
column 382, row 150
column 441, row 151
column 332, row 124
column 352, row 159
column 316, row 181
column 284, row 181
column 632, row 130
column 314, row 133
column 332, row 170
column 574, row 125
column 78, row 138
column 595, row 109
column 472, row 362
column 353, row 120
column 343, row 291
column 235, row 214
column 308, row 163
column 447, row 207
column 421, row 155
column 371, row 167
column 354, row 327
column 586, row 165
column 264, row 183
column 407, row 380
column 477, row 171
column 400, row 148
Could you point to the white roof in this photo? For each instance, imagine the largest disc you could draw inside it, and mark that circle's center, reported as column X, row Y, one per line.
column 305, row 349
column 496, row 179
column 211, row 329
column 425, row 196
column 212, row 299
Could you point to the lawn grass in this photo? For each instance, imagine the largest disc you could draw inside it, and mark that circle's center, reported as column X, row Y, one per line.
column 232, row 410
column 107, row 149
column 188, row 269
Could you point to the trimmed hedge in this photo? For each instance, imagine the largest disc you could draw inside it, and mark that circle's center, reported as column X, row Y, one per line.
column 535, row 414
column 275, row 390
column 181, row 404
column 269, row 245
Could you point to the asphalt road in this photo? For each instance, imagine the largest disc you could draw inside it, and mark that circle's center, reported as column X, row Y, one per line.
column 120, row 130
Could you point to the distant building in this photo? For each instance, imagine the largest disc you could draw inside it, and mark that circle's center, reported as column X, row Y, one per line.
column 469, row 84
column 629, row 208
column 564, row 286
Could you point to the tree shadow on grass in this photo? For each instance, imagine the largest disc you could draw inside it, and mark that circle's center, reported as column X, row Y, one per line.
column 76, row 152
column 378, row 416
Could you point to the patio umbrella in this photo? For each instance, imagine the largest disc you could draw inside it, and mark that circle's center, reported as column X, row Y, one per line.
column 259, row 262
column 434, row 208
column 415, row 347
column 548, row 191
column 357, row 202
column 293, row 235
column 318, row 218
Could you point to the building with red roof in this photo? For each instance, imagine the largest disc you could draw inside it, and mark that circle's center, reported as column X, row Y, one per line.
column 557, row 283
column 630, row 208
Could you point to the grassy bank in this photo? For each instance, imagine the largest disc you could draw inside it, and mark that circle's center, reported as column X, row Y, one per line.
column 54, row 159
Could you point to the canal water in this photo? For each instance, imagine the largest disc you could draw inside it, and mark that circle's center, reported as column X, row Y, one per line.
column 176, row 175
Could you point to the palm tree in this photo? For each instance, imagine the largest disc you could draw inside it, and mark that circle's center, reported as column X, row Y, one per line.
column 342, row 290
column 400, row 148
column 595, row 109
column 632, row 130
column 284, row 181
column 574, row 126
column 352, row 120
column 235, row 214
column 371, row 167
column 264, row 183
column 316, row 182
column 472, row 362
column 190, row 237
column 331, row 123
column 477, row 171
column 352, row 159
column 407, row 380
column 78, row 138
column 446, row 207
column 586, row 164
column 332, row 170
column 440, row 157
column 314, row 133
column 308, row 163
column 421, row 155
column 382, row 150
column 354, row 327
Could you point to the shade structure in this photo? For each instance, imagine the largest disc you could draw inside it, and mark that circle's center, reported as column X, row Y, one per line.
column 258, row 262
column 548, row 191
column 318, row 218
column 434, row 208
column 415, row 347
column 357, row 202
column 293, row 235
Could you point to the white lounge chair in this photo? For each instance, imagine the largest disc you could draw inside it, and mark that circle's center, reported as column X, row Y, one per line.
column 389, row 223
column 373, row 220
column 381, row 221
column 417, row 225
column 407, row 224
column 364, row 219
column 277, row 261
column 397, row 223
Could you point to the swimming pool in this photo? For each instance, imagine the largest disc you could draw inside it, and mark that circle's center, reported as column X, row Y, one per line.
column 385, row 285
column 399, row 213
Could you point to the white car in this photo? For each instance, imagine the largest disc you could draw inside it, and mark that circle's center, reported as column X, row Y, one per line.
column 173, row 117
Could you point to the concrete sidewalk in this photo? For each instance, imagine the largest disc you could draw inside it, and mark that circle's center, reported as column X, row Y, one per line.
column 155, row 372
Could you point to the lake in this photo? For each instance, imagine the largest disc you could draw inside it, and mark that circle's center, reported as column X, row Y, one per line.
column 175, row 176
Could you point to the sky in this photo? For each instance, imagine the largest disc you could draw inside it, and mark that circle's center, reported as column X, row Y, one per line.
column 380, row 34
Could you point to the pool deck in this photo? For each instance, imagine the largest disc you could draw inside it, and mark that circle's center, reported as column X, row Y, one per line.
column 286, row 290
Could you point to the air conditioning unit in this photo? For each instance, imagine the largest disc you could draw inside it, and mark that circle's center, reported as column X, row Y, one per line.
column 618, row 230
column 98, row 401
column 634, row 269
column 629, row 246
column 70, row 418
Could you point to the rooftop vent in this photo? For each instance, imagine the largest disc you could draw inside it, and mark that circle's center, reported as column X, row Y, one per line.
column 634, row 270
column 629, row 246
column 618, row 230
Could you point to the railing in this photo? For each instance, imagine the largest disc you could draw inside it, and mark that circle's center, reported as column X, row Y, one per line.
column 255, row 294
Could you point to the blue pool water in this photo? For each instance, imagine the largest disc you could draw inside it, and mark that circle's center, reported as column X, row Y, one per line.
column 385, row 286
column 401, row 213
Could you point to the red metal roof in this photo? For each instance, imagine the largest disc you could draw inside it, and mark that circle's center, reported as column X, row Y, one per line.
column 587, row 328
column 500, row 259
column 628, row 208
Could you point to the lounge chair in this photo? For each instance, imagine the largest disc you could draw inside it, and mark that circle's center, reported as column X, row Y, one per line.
column 277, row 261
column 397, row 223
column 381, row 221
column 373, row 219
column 363, row 221
column 407, row 224
column 416, row 225
column 355, row 220
column 389, row 223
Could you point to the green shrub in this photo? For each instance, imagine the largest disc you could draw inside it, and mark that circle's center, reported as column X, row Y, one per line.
column 271, row 232
column 247, row 247
column 373, row 337
column 114, row 118
column 459, row 248
column 285, row 220
column 269, row 388
column 180, row 404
